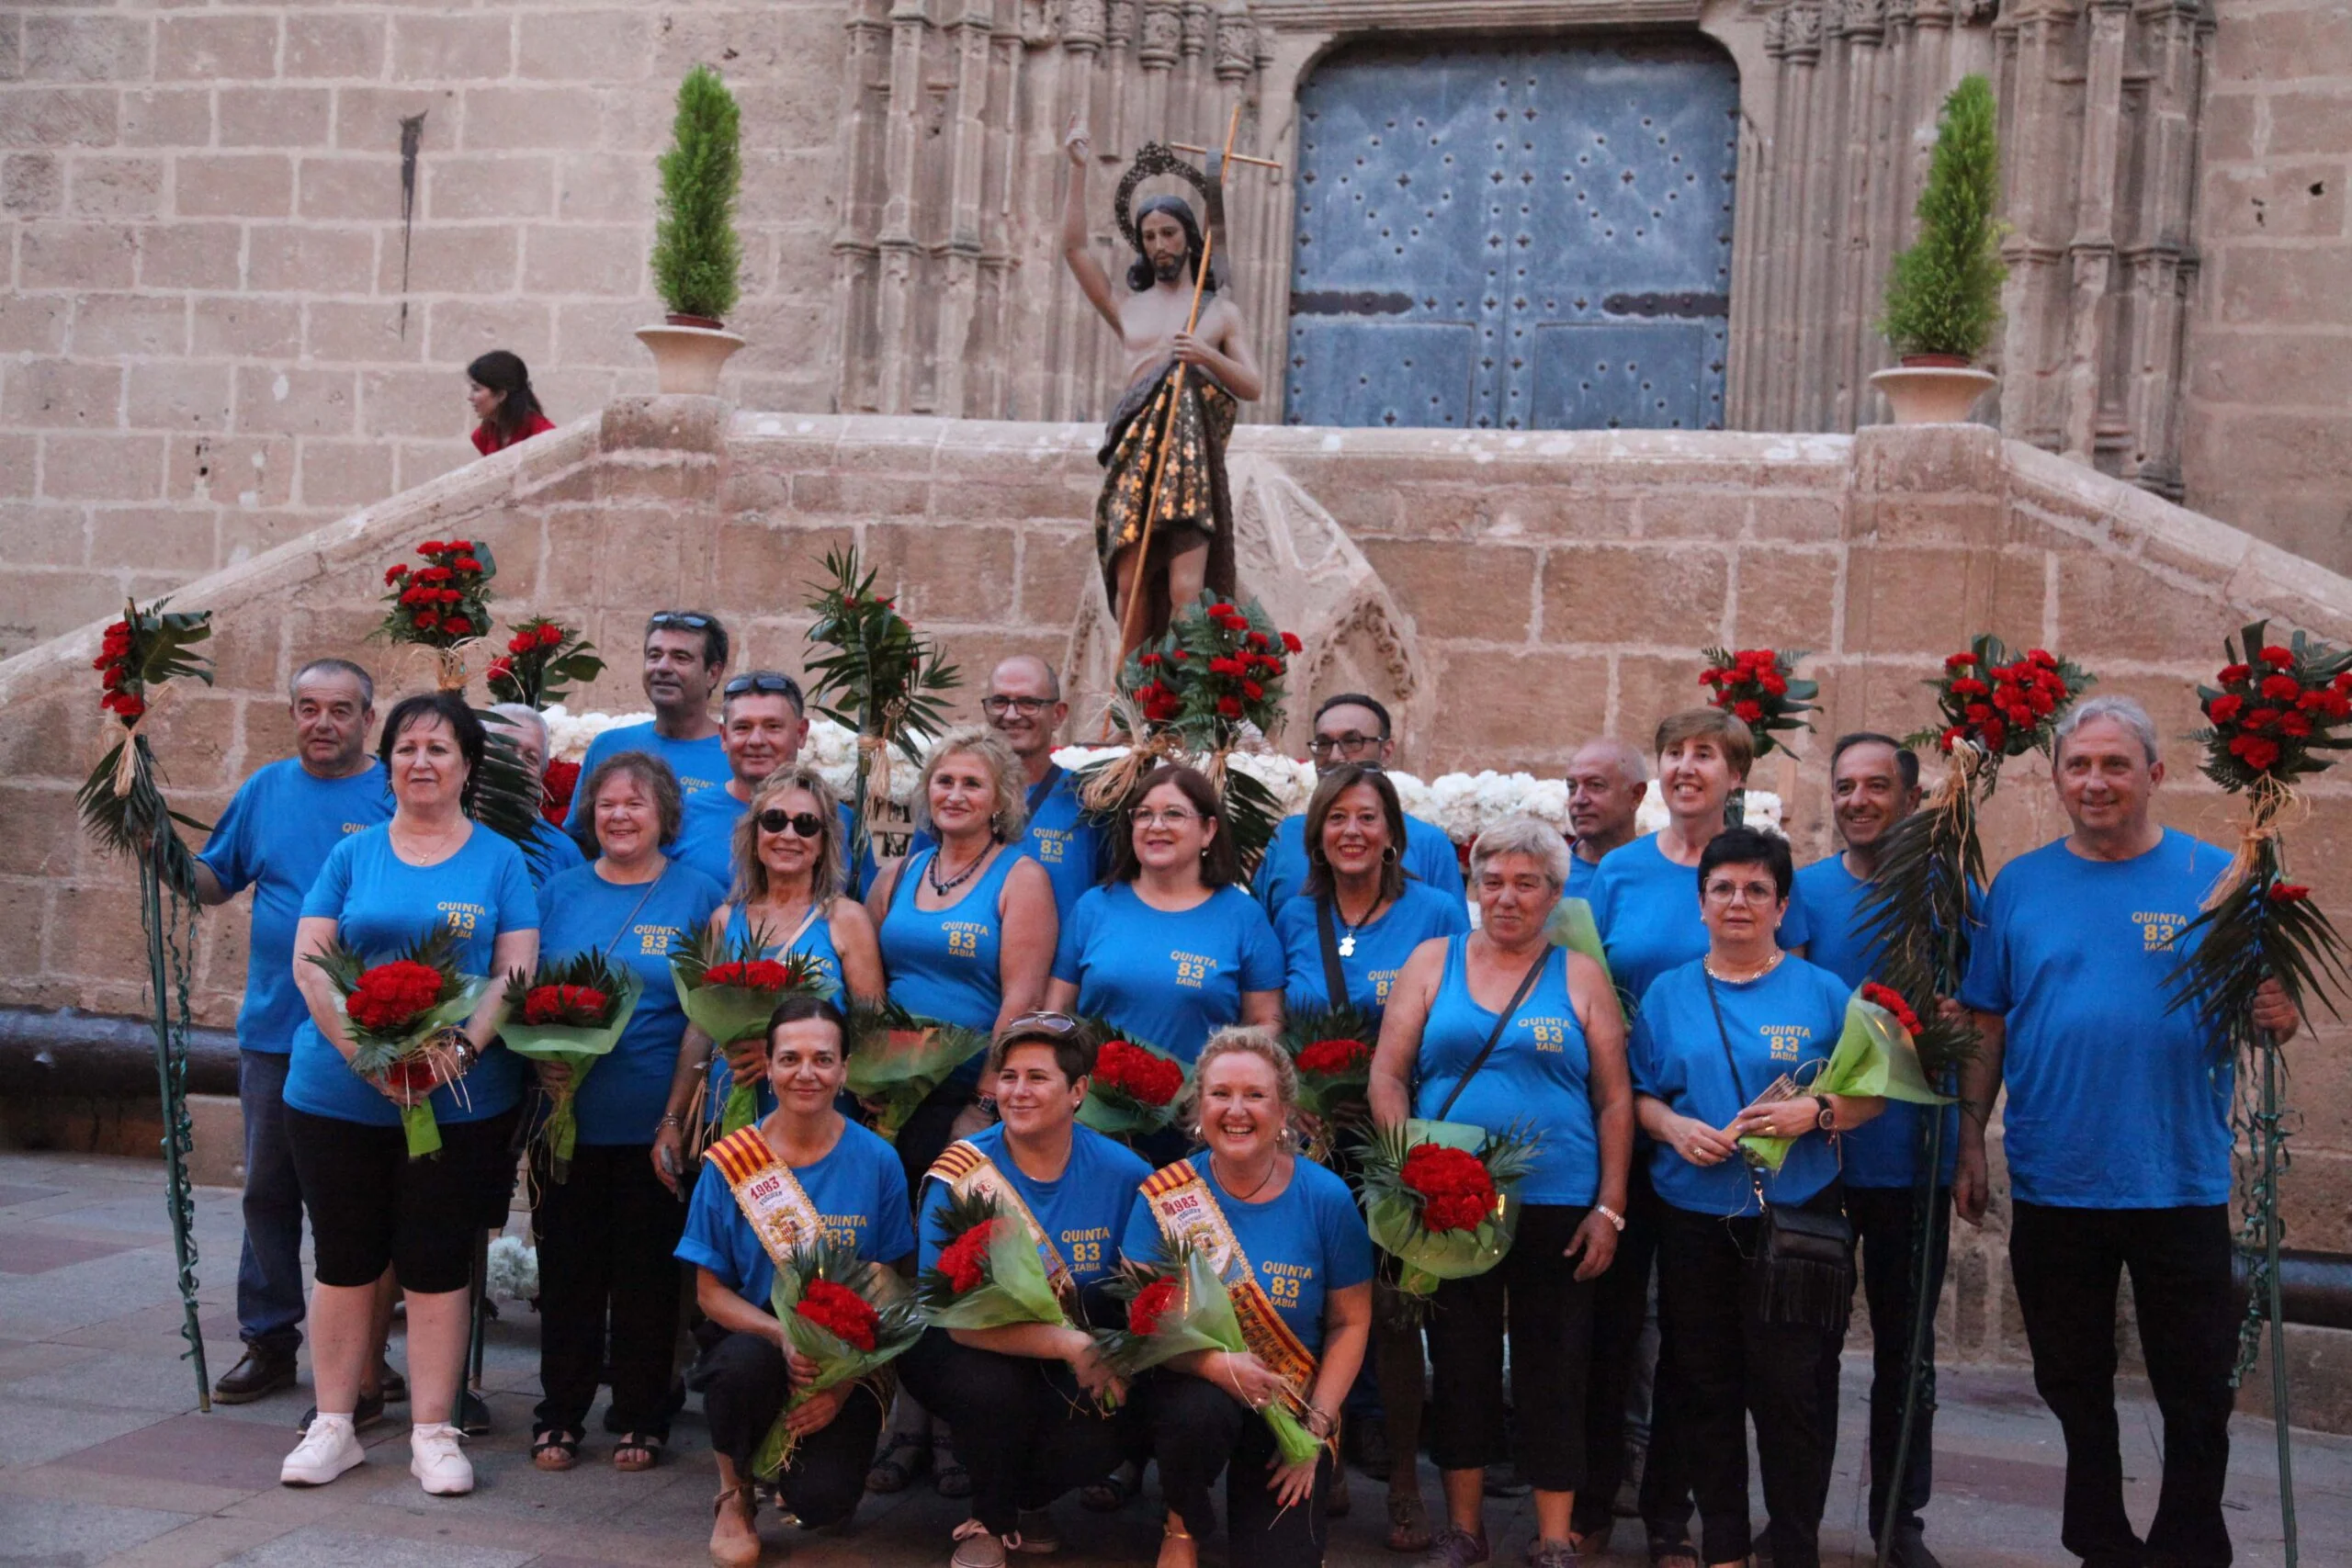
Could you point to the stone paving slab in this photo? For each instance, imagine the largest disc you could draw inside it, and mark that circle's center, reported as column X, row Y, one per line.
column 103, row 1458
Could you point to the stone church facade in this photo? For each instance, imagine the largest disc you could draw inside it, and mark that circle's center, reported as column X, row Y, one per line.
column 237, row 304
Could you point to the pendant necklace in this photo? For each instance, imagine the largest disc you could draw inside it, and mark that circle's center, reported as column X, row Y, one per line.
column 930, row 872
column 1245, row 1197
column 1348, row 942
column 1757, row 973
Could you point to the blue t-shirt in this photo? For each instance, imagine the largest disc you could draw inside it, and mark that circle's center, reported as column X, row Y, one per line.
column 279, row 827
column 698, row 765
column 1168, row 978
column 624, row 1093
column 706, row 835
column 1429, row 857
column 1776, row 1024
column 1884, row 1151
column 2115, row 1101
column 859, row 1191
column 1647, row 910
column 1083, row 1211
column 1540, row 1074
column 816, row 943
column 381, row 906
column 553, row 853
column 1303, row 1245
column 1381, row 946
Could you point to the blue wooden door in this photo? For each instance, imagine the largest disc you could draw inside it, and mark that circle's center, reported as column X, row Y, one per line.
column 1516, row 237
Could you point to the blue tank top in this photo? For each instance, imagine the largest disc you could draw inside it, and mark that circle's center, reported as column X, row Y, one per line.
column 942, row 964
column 1538, row 1074
column 817, row 942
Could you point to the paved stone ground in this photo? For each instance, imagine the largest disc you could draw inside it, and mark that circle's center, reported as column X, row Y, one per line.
column 103, row 1458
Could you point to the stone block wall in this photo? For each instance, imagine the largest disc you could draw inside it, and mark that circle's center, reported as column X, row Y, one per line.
column 1550, row 587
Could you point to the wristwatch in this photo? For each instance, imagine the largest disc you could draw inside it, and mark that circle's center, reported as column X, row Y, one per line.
column 1827, row 1120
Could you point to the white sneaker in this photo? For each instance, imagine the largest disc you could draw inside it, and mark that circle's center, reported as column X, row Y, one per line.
column 435, row 1459
column 329, row 1447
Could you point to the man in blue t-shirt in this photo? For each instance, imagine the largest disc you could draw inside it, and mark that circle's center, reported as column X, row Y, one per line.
column 1606, row 778
column 551, row 851
column 685, row 654
column 274, row 837
column 2116, row 1134
column 762, row 722
column 1873, row 785
column 1024, row 705
column 1353, row 727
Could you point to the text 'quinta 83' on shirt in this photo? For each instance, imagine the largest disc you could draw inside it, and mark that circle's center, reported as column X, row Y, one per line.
column 381, row 906
column 2116, row 1100
column 1776, row 1023
column 1302, row 1245
column 1168, row 977
column 279, row 829
column 1647, row 910
column 858, row 1190
column 1381, row 946
column 1083, row 1211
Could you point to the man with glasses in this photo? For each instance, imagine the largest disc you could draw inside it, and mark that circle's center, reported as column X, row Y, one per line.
column 1353, row 727
column 1606, row 778
column 686, row 653
column 1025, row 705
column 763, row 722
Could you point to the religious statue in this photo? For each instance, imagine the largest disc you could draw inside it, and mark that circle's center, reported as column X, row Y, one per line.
column 1163, row 527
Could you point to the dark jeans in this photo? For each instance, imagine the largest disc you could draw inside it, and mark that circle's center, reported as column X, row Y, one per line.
column 1886, row 1225
column 1036, row 1435
column 1198, row 1431
column 1626, row 1395
column 1728, row 1363
column 2066, row 1263
column 743, row 1383
column 606, row 1235
column 1533, row 1295
column 270, row 1266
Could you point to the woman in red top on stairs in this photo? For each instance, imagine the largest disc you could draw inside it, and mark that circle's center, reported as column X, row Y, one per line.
column 498, row 384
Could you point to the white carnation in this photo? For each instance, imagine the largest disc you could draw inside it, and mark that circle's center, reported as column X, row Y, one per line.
column 1078, row 759
column 1763, row 809
column 1290, row 781
column 1454, row 797
column 569, row 733
column 514, row 1270
column 1414, row 796
column 1547, row 801
column 1650, row 816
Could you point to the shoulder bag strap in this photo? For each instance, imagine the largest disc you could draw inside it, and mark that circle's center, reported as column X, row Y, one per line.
column 1502, row 1021
column 1731, row 1065
column 1335, row 979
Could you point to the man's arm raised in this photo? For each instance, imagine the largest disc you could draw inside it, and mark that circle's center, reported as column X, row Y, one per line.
column 1077, row 250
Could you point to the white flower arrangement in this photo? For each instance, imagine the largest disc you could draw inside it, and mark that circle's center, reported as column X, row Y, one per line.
column 514, row 1270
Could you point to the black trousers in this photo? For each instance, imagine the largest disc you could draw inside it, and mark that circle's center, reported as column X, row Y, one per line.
column 2067, row 1263
column 1534, row 1296
column 743, row 1382
column 606, row 1235
column 1725, row 1363
column 1036, row 1434
column 1199, row 1430
column 1886, row 1225
column 1621, row 1302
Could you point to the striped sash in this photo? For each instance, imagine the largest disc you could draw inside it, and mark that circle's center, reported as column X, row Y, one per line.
column 968, row 1174
column 1186, row 1210
column 770, row 1196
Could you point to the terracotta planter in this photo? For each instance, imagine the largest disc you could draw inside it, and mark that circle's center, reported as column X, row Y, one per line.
column 687, row 359
column 1933, row 393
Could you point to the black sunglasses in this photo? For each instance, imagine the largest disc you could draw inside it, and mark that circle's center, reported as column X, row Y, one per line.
column 689, row 619
column 808, row 824
column 765, row 681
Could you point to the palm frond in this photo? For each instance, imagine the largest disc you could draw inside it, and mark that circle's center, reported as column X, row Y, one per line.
column 1920, row 909
column 508, row 794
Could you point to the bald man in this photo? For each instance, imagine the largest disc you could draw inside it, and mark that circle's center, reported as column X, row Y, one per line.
column 1606, row 779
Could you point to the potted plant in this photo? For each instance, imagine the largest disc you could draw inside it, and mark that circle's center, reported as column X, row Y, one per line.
column 1943, row 294
column 696, row 253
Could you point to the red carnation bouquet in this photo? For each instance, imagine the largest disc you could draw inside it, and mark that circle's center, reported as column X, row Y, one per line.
column 446, row 601
column 397, row 1011
column 572, row 1011
column 1758, row 687
column 850, row 1317
column 728, row 990
column 543, row 657
column 1217, row 668
column 896, row 1059
column 121, row 802
column 2274, row 712
column 2002, row 707
column 1439, row 1195
column 1331, row 1048
column 1133, row 1090
column 556, row 787
column 988, row 1275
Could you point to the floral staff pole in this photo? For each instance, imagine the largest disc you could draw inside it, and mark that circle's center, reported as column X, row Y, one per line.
column 122, row 808
column 2272, row 714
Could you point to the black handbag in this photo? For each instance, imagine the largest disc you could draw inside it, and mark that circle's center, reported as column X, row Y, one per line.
column 1802, row 1271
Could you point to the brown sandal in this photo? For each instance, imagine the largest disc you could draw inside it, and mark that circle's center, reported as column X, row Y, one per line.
column 1409, row 1523
column 736, row 1553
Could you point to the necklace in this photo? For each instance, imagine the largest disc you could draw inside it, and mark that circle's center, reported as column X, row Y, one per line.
column 1348, row 941
column 1756, row 974
column 1245, row 1197
column 931, row 872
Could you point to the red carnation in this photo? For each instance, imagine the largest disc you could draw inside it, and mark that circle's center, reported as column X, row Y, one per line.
column 840, row 1312
column 965, row 1259
column 1456, row 1193
column 2255, row 751
column 758, row 974
column 391, row 995
column 521, row 642
column 550, row 634
column 457, row 625
column 430, row 548
column 561, row 1004
column 1152, row 1302
column 1151, row 1079
column 1959, row 661
column 1225, row 667
column 393, row 574
column 465, row 563
column 1335, row 1057
column 1892, row 1000
column 129, row 704
column 1252, row 691
column 2279, row 657
column 1229, row 707
column 557, row 786
column 2289, row 892
column 2233, row 674
column 2281, row 688
column 1747, row 711
column 1291, row 643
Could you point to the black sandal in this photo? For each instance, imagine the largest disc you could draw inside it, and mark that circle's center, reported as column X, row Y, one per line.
column 948, row 1476
column 889, row 1472
column 556, row 1448
column 646, row 1443
column 1111, row 1494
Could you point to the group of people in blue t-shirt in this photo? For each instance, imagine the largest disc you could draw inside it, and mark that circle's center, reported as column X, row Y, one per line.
column 1722, row 982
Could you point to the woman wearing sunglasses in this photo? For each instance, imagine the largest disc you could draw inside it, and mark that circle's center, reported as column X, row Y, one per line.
column 789, row 850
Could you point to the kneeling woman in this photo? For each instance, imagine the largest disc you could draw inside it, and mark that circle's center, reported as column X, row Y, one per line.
column 1297, row 1263
column 800, row 1175
column 1050, row 1412
column 1710, row 1042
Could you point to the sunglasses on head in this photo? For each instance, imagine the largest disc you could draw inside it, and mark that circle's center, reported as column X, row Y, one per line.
column 1039, row 1023
column 808, row 824
column 689, row 619
column 767, row 682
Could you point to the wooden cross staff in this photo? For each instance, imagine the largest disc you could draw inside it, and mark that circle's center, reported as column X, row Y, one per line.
column 1128, row 638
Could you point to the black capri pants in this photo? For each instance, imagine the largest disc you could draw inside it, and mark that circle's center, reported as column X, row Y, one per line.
column 1036, row 1434
column 1533, row 1295
column 744, row 1382
column 371, row 1206
column 1199, row 1430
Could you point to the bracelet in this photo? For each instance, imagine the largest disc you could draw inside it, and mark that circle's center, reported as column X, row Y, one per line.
column 1319, row 1422
column 671, row 1119
column 1612, row 1215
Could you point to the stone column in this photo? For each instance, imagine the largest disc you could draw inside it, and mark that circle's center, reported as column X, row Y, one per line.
column 1862, row 26
column 967, row 43
column 864, row 84
column 2090, row 253
column 900, row 247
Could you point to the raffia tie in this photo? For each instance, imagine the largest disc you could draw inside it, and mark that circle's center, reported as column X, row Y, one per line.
column 127, row 765
column 2269, row 801
column 449, row 669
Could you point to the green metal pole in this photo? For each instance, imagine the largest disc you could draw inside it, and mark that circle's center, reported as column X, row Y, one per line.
column 2269, row 1124
column 171, row 1084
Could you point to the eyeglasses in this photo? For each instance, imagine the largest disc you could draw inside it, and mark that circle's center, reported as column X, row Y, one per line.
column 1169, row 818
column 997, row 707
column 1350, row 745
column 691, row 620
column 1735, row 892
column 808, row 824
column 1050, row 1023
column 767, row 682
